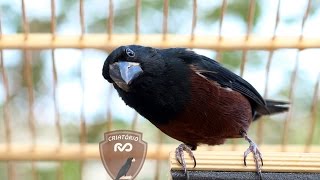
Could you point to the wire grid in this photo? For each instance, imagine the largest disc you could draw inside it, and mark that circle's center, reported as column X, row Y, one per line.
column 28, row 42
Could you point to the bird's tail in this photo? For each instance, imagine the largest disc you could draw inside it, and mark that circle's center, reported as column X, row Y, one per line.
column 274, row 107
column 277, row 106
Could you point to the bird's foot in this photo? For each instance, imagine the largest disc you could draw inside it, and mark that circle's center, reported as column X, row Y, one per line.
column 180, row 157
column 256, row 154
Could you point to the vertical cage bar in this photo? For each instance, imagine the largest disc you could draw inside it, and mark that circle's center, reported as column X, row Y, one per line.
column 31, row 119
column 194, row 18
column 55, row 77
column 158, row 162
column 56, row 107
column 28, row 75
column 291, row 95
column 11, row 170
column 6, row 115
column 82, row 116
column 165, row 19
column 268, row 66
column 245, row 51
column 293, row 81
column 56, row 113
column 110, row 20
column 252, row 7
column 6, row 112
column 249, row 30
column 109, row 113
column 305, row 17
column 313, row 112
column 25, row 23
column 83, row 128
column 59, row 173
column 222, row 13
column 135, row 121
column 81, row 12
column 53, row 19
column 137, row 19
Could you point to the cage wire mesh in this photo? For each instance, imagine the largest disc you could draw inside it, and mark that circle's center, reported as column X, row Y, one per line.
column 55, row 105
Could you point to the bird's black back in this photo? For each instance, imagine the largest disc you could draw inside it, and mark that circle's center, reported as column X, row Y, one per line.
column 213, row 71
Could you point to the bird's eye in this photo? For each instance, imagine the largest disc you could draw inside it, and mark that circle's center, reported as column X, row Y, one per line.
column 129, row 52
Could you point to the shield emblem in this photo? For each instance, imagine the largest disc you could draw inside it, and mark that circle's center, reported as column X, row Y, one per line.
column 123, row 153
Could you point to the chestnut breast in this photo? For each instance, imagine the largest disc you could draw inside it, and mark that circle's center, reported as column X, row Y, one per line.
column 213, row 114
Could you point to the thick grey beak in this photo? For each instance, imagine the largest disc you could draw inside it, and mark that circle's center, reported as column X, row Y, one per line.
column 123, row 73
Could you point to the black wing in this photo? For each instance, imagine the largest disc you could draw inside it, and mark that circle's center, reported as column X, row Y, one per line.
column 212, row 70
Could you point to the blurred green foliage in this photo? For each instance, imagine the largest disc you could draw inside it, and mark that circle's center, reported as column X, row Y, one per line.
column 236, row 8
column 71, row 170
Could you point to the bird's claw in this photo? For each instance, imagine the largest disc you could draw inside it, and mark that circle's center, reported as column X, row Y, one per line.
column 256, row 154
column 180, row 157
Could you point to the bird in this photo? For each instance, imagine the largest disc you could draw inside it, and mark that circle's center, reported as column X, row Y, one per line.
column 188, row 96
column 125, row 168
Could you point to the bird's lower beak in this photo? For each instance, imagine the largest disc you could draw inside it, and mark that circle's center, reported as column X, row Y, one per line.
column 123, row 73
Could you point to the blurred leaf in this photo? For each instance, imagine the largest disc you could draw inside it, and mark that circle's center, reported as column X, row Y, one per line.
column 70, row 132
column 96, row 130
column 71, row 170
column 37, row 69
column 98, row 25
column 241, row 9
column 39, row 26
column 173, row 4
column 237, row 8
column 47, row 174
column 178, row 4
column 3, row 170
column 231, row 59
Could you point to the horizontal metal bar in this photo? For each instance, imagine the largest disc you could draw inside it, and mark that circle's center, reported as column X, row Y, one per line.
column 101, row 41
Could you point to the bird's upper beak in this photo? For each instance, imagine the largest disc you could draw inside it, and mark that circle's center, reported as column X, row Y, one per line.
column 123, row 73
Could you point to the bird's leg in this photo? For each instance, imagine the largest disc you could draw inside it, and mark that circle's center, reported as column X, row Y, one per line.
column 256, row 154
column 180, row 156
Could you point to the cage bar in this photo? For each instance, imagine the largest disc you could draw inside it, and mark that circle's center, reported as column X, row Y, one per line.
column 268, row 66
column 110, row 20
column 293, row 81
column 71, row 151
column 98, row 41
column 137, row 19
column 313, row 114
column 194, row 19
column 165, row 19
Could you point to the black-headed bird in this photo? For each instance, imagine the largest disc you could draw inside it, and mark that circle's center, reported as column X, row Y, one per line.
column 189, row 97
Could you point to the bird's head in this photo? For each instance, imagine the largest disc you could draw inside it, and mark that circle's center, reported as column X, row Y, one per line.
column 152, row 81
column 127, row 64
